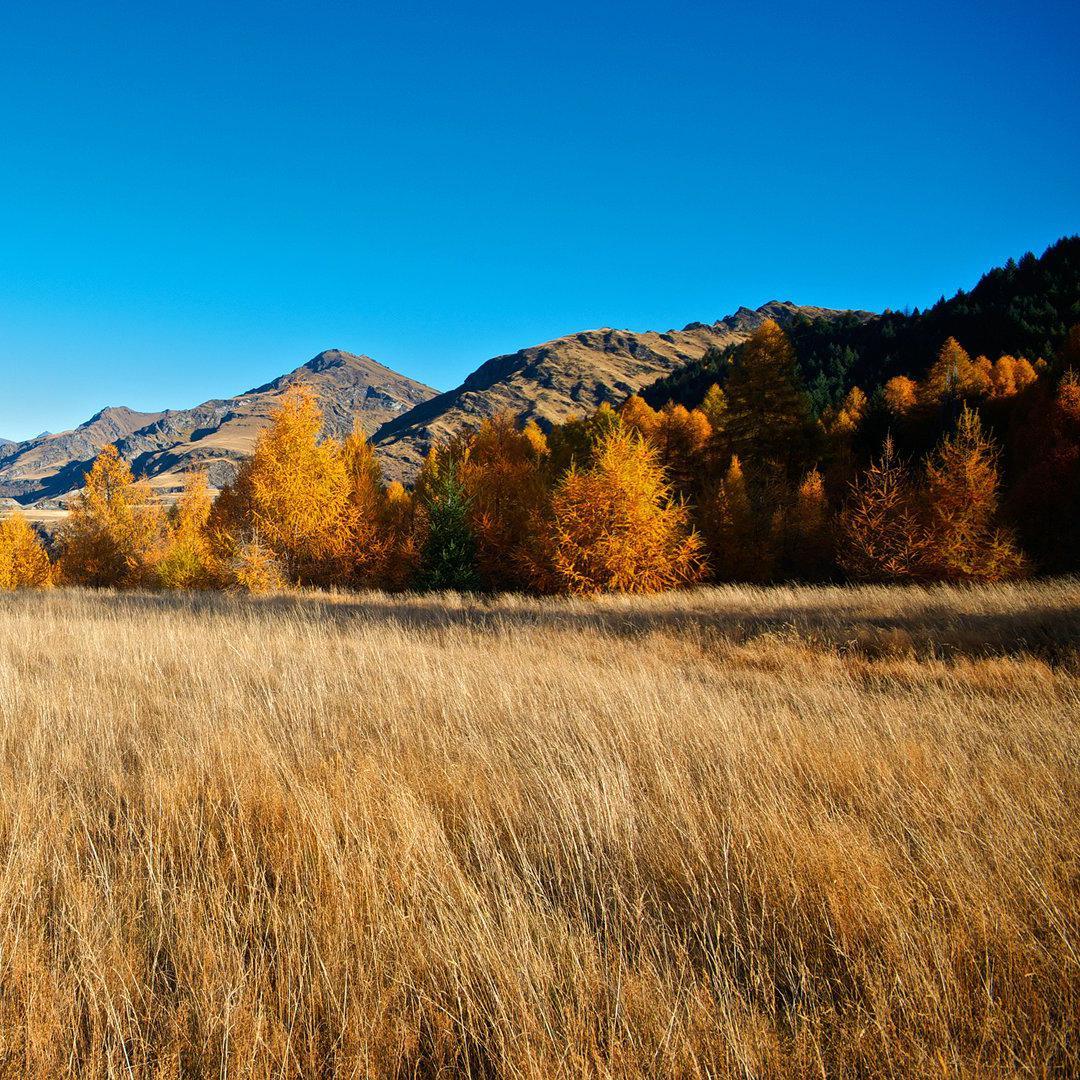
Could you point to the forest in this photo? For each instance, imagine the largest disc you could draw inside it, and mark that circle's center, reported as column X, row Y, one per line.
column 969, row 473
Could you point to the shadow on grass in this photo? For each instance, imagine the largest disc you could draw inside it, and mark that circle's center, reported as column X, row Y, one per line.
column 926, row 625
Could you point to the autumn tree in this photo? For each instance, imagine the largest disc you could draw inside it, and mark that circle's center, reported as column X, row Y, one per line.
column 768, row 420
column 1046, row 497
column 967, row 541
column 841, row 424
column 901, row 395
column 615, row 526
column 115, row 530
column 681, row 437
column 404, row 536
column 807, row 543
column 299, row 491
column 737, row 548
column 575, row 440
column 24, row 562
column 882, row 535
column 637, row 415
column 1011, row 375
column 953, row 375
column 367, row 539
column 504, row 478
column 187, row 561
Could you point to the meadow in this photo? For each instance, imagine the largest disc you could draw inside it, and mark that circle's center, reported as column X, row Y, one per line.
column 731, row 831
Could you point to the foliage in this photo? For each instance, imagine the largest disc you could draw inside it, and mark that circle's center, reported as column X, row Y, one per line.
column 187, row 561
column 505, row 486
column 968, row 542
column 883, row 537
column 768, row 412
column 115, row 530
column 24, row 562
column 615, row 527
column 449, row 558
column 1024, row 308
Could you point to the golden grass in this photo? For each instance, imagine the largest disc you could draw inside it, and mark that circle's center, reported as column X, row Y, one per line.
column 730, row 832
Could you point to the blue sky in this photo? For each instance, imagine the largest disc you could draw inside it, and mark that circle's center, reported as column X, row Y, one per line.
column 197, row 197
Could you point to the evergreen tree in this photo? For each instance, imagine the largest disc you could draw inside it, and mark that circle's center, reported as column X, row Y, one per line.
column 769, row 421
column 448, row 560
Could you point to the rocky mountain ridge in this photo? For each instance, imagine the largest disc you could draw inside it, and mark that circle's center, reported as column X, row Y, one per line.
column 573, row 374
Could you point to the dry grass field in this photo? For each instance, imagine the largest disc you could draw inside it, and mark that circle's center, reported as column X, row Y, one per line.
column 729, row 832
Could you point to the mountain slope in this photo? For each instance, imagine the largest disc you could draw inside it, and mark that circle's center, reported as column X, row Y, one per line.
column 1024, row 308
column 58, row 460
column 572, row 374
column 217, row 434
column 214, row 435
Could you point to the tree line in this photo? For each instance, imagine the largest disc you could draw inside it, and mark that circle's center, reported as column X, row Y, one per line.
column 970, row 473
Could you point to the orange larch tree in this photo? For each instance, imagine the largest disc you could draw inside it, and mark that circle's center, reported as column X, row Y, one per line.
column 505, row 482
column 882, row 535
column 901, row 395
column 966, row 540
column 615, row 526
column 808, row 539
column 738, row 550
column 682, row 438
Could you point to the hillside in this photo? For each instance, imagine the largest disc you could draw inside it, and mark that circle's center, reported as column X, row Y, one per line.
column 1024, row 308
column 214, row 435
column 572, row 374
column 52, row 463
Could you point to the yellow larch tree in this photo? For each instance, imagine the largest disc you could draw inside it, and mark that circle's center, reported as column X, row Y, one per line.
column 615, row 526
column 187, row 561
column 116, row 529
column 24, row 562
column 299, row 493
column 953, row 375
column 682, row 438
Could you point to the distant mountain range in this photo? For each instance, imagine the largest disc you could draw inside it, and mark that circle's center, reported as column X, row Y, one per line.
column 1023, row 307
column 403, row 418
column 213, row 436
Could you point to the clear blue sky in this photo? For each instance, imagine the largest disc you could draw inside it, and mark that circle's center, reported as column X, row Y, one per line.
column 197, row 197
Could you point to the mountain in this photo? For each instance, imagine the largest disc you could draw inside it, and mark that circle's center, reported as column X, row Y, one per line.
column 214, row 435
column 1023, row 308
column 572, row 374
column 58, row 461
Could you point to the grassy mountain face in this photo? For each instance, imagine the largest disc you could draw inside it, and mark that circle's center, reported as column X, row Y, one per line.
column 572, row 374
column 1024, row 308
column 214, row 435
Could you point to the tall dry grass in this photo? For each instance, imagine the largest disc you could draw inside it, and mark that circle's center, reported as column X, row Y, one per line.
column 731, row 832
